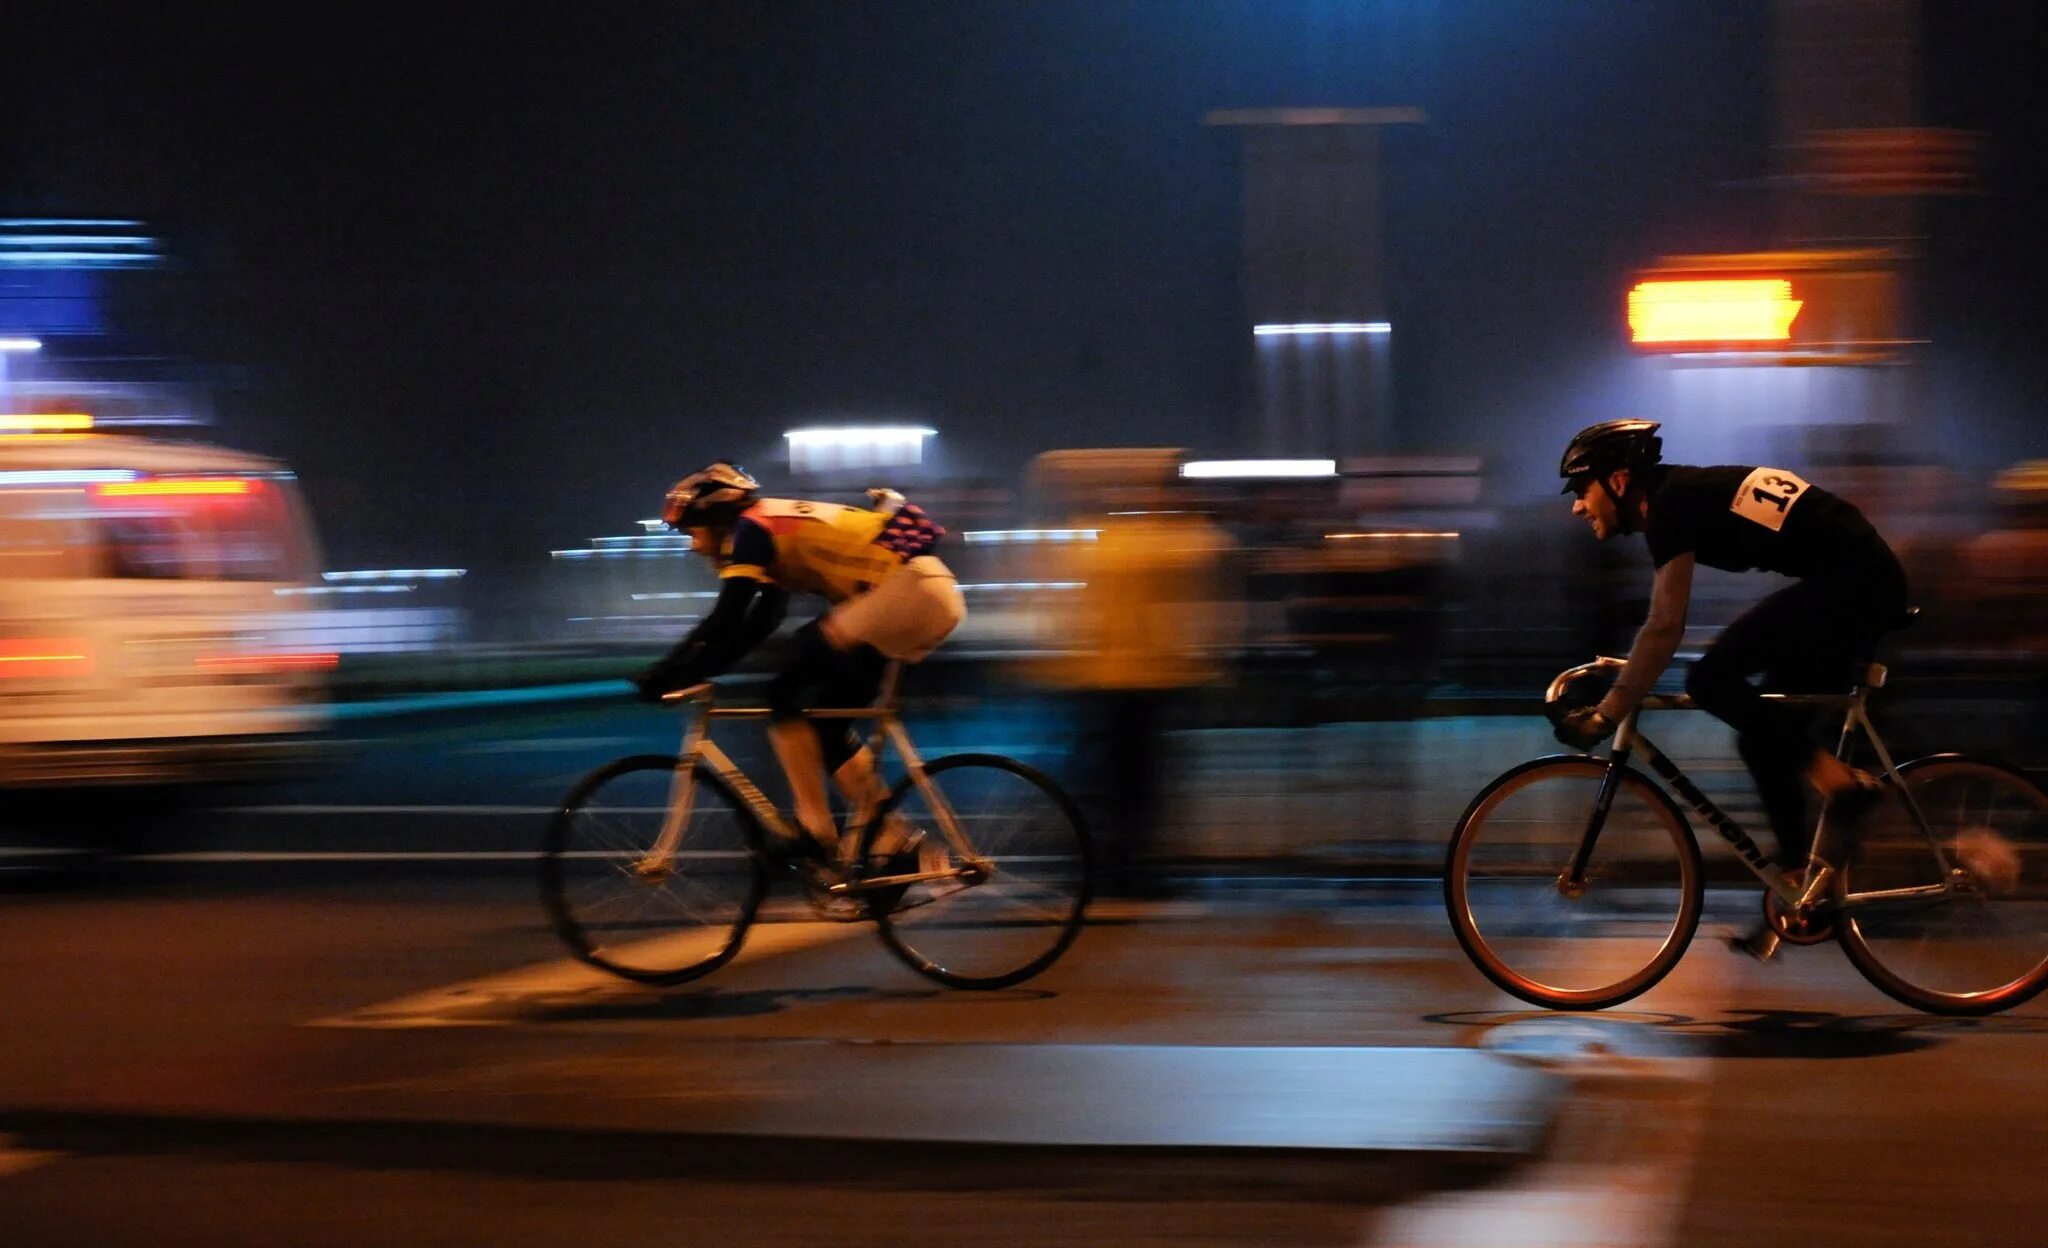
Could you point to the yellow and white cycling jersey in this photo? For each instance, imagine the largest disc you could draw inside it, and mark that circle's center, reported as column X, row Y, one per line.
column 826, row 549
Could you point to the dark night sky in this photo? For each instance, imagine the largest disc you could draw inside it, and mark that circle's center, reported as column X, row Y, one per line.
column 492, row 281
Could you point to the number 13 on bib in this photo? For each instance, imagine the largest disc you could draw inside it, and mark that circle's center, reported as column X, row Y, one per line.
column 1767, row 496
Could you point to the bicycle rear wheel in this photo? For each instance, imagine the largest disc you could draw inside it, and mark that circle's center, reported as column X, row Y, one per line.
column 999, row 928
column 655, row 921
column 1981, row 944
column 1572, row 947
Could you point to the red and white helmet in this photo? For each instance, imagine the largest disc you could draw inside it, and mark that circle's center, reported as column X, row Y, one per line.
column 710, row 497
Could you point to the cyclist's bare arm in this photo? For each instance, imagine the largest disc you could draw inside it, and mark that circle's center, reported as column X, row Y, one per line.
column 1657, row 641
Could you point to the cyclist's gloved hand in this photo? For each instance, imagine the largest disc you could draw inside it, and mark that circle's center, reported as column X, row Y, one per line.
column 1584, row 728
column 657, row 679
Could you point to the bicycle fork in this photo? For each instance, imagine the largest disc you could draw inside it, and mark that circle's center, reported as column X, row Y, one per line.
column 1572, row 881
column 659, row 860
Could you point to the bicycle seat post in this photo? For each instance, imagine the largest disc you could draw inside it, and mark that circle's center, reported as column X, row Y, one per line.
column 885, row 696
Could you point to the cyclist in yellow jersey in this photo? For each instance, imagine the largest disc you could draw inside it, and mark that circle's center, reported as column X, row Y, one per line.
column 890, row 599
column 809, row 548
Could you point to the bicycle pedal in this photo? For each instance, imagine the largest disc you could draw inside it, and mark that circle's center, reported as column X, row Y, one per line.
column 831, row 906
column 1761, row 945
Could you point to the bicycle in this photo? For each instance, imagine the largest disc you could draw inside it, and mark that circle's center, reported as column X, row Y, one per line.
column 1576, row 883
column 655, row 866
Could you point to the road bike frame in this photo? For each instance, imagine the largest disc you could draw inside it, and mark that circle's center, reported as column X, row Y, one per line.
column 1801, row 896
column 697, row 746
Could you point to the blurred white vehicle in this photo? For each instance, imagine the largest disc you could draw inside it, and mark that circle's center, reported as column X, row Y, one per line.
column 139, row 603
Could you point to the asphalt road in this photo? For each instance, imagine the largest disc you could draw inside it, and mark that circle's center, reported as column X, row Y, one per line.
column 332, row 1013
column 409, row 1061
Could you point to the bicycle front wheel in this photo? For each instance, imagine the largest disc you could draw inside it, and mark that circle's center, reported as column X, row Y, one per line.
column 1020, row 882
column 1550, row 940
column 1963, row 930
column 643, row 915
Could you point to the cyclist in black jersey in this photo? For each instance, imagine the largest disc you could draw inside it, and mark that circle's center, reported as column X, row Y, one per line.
column 1806, row 638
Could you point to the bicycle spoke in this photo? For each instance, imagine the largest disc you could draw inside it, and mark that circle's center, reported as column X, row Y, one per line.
column 609, row 902
column 1612, row 934
column 1982, row 943
column 1028, row 909
column 1062, row 900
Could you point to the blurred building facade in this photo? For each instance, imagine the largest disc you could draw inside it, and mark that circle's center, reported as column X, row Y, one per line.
column 1314, row 276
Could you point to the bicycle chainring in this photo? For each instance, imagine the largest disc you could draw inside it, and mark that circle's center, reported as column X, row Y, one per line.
column 1813, row 929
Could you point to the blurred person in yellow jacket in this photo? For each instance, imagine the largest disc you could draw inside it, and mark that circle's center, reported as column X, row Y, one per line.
column 1149, row 616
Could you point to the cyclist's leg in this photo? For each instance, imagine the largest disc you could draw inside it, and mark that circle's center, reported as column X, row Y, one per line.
column 797, row 746
column 1771, row 639
column 854, row 681
column 1777, row 764
column 903, row 618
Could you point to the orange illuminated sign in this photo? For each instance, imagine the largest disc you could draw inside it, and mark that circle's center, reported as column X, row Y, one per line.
column 1712, row 310
column 1812, row 306
column 45, row 422
column 163, row 487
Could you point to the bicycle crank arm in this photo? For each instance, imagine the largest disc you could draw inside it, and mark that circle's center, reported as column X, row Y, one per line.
column 920, row 877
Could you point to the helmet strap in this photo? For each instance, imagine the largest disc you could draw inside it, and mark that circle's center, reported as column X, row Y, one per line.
column 1624, row 502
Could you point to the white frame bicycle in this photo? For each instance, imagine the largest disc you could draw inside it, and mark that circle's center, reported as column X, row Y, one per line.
column 667, row 880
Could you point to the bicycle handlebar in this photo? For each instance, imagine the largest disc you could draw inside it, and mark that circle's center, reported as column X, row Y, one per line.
column 1873, row 678
column 1566, row 678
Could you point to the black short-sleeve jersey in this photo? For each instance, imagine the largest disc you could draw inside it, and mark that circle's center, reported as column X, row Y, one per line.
column 1741, row 517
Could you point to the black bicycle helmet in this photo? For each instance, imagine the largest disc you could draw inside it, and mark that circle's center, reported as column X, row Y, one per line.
column 1610, row 446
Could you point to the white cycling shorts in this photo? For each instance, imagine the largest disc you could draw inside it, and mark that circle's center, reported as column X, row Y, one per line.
column 905, row 616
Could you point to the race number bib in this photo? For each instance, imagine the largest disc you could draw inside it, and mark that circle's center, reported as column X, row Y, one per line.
column 828, row 512
column 1768, row 495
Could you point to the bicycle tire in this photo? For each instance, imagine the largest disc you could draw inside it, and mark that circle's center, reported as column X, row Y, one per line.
column 1997, row 928
column 584, row 858
column 922, row 922
column 1516, row 865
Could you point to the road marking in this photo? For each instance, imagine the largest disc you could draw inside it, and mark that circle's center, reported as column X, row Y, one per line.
column 505, row 999
column 19, row 1160
column 479, row 698
column 1618, row 1169
column 321, row 855
column 1615, row 1174
column 398, row 855
column 386, row 810
column 543, row 745
column 468, row 810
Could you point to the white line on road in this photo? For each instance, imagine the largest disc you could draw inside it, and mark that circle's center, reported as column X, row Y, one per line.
column 400, row 855
column 385, row 810
column 547, row 745
column 1615, row 1174
column 465, row 810
column 337, row 855
column 1618, row 1168
column 501, row 1000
